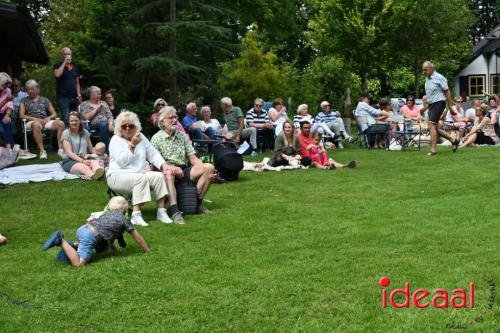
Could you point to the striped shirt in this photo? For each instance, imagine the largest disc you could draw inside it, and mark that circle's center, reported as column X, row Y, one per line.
column 298, row 119
column 255, row 118
column 326, row 118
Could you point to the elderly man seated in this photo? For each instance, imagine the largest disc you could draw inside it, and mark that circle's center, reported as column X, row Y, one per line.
column 177, row 152
column 364, row 109
column 333, row 120
column 235, row 124
column 257, row 118
column 191, row 124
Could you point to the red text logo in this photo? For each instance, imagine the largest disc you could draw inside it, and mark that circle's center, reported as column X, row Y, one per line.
column 421, row 298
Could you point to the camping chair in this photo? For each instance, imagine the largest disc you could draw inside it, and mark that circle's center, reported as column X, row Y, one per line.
column 47, row 136
column 405, row 133
column 367, row 131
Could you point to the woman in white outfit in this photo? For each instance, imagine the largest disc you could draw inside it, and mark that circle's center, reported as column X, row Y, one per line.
column 129, row 152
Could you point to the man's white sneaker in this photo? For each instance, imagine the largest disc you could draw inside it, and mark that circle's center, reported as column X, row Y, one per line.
column 178, row 219
column 162, row 216
column 138, row 220
column 43, row 155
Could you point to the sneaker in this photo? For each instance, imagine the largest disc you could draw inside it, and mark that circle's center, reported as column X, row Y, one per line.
column 162, row 216
column 26, row 155
column 137, row 219
column 349, row 139
column 178, row 219
column 61, row 255
column 98, row 174
column 203, row 210
column 254, row 153
column 352, row 164
column 340, row 145
column 54, row 240
column 61, row 153
column 43, row 155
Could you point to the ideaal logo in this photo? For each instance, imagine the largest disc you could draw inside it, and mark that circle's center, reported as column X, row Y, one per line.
column 421, row 298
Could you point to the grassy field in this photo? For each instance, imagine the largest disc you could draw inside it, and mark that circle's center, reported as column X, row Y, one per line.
column 281, row 252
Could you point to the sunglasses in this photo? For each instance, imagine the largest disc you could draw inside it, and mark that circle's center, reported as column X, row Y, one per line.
column 160, row 104
column 128, row 126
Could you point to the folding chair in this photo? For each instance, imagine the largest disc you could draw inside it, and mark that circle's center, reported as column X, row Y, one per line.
column 50, row 136
column 405, row 131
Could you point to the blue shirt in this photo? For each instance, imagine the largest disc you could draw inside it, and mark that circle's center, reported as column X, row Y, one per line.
column 435, row 87
column 188, row 120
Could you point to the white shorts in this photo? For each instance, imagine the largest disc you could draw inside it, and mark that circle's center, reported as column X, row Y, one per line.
column 48, row 125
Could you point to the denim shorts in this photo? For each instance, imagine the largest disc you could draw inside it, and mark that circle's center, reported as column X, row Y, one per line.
column 87, row 242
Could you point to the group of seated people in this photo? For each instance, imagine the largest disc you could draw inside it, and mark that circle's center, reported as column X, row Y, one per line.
column 475, row 126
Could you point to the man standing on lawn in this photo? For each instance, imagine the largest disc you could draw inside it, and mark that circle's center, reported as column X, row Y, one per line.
column 438, row 93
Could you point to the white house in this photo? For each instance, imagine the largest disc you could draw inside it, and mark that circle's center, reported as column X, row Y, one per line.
column 482, row 75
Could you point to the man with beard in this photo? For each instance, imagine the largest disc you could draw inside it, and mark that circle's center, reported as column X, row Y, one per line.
column 182, row 162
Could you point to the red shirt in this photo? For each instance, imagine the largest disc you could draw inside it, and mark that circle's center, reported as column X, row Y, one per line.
column 304, row 142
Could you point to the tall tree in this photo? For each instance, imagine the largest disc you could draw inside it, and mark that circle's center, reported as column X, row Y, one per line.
column 487, row 14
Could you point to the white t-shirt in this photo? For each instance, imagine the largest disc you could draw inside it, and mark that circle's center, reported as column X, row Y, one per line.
column 214, row 123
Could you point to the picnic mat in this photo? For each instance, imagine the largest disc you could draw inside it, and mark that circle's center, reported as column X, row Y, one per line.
column 34, row 173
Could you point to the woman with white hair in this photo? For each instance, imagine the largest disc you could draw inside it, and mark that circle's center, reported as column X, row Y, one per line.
column 40, row 114
column 159, row 104
column 129, row 152
column 6, row 108
column 208, row 125
column 98, row 114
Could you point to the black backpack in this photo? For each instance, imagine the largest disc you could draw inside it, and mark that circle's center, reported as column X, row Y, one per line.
column 227, row 160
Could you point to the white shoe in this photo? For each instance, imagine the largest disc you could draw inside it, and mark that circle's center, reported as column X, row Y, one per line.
column 340, row 146
column 26, row 155
column 162, row 216
column 60, row 152
column 43, row 155
column 137, row 219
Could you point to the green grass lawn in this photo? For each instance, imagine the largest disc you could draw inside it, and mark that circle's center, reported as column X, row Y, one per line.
column 281, row 251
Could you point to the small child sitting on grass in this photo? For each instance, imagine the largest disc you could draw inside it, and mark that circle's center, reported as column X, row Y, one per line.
column 319, row 155
column 97, row 233
column 100, row 155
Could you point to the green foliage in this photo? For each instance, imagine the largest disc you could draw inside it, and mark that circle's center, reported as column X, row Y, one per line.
column 252, row 74
column 487, row 14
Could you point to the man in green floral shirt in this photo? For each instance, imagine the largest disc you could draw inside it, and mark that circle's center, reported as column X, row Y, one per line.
column 182, row 162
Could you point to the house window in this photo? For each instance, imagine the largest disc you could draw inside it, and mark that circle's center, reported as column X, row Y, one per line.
column 495, row 84
column 476, row 85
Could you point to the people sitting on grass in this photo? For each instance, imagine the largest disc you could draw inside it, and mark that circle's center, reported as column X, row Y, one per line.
column 208, row 125
column 129, row 152
column 182, row 163
column 470, row 113
column 98, row 115
column 235, row 125
column 374, row 118
column 308, row 142
column 76, row 145
column 100, row 155
column 6, row 109
column 483, row 132
column 159, row 104
column 95, row 234
column 410, row 110
column 40, row 115
column 493, row 105
column 110, row 101
column 333, row 120
column 286, row 147
column 455, row 120
column 277, row 115
column 257, row 118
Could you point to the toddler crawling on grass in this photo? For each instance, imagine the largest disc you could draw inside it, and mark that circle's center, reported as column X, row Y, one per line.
column 97, row 234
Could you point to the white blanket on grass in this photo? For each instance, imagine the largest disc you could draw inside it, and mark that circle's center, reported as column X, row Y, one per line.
column 34, row 173
column 263, row 166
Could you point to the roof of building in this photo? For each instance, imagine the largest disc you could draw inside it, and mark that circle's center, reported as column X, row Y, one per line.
column 489, row 44
column 22, row 38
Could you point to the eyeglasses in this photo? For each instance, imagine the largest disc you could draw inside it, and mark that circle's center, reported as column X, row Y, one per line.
column 128, row 126
column 172, row 117
column 326, row 105
column 258, row 105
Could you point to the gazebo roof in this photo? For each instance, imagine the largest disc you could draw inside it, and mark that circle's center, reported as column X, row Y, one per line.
column 20, row 35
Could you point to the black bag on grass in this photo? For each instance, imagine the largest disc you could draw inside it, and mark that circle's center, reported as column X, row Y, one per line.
column 187, row 197
column 227, row 160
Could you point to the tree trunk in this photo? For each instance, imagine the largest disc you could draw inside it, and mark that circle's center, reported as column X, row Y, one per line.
column 173, row 53
column 417, row 71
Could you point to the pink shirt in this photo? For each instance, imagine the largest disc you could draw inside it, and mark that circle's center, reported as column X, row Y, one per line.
column 8, row 105
column 414, row 112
